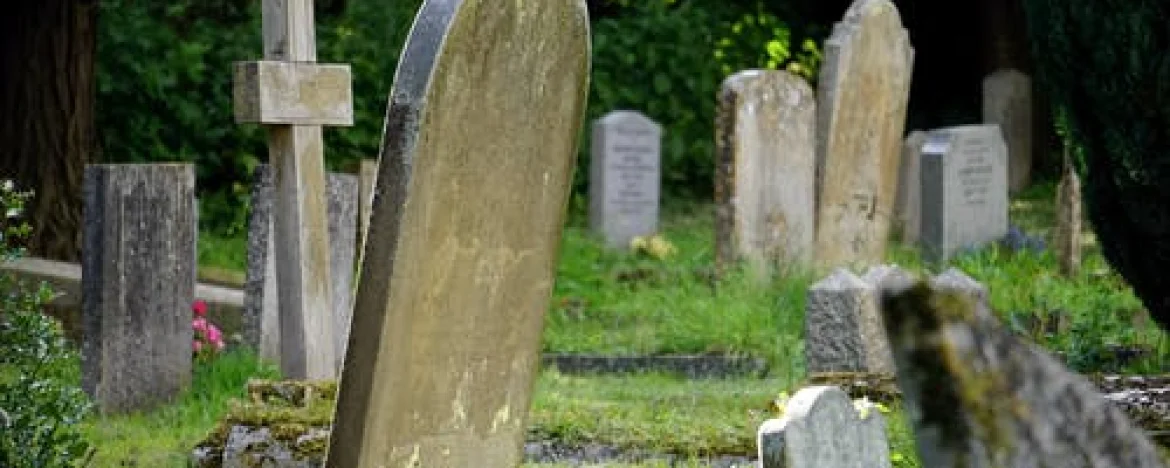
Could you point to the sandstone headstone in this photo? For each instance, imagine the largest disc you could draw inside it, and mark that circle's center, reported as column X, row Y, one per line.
column 1067, row 238
column 1007, row 101
column 821, row 428
column 765, row 171
column 473, row 184
column 261, row 311
column 861, row 110
column 843, row 332
column 625, row 177
column 138, row 283
column 908, row 205
column 367, row 174
column 964, row 190
column 977, row 396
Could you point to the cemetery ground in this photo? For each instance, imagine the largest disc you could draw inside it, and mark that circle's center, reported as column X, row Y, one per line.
column 665, row 301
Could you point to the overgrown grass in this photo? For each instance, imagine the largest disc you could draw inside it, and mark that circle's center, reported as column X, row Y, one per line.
column 166, row 436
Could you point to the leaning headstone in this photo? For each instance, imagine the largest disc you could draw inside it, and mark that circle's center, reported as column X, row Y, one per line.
column 625, row 177
column 1067, row 238
column 978, row 396
column 843, row 332
column 138, row 283
column 861, row 110
column 261, row 306
column 964, row 190
column 907, row 205
column 473, row 184
column 1007, row 101
column 822, row 428
column 765, row 171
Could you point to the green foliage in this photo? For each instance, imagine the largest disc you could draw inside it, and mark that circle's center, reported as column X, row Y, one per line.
column 668, row 60
column 40, row 402
column 1104, row 64
column 164, row 83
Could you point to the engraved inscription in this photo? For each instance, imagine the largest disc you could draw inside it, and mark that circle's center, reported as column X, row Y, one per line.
column 632, row 166
column 975, row 171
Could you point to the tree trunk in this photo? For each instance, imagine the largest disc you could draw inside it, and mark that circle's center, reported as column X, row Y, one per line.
column 47, row 135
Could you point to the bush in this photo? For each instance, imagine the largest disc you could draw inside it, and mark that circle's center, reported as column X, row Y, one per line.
column 40, row 401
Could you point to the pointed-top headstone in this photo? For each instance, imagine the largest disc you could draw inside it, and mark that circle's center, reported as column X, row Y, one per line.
column 862, row 96
column 472, row 187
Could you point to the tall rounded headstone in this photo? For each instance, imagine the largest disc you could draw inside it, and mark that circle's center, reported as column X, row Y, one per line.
column 472, row 189
column 625, row 177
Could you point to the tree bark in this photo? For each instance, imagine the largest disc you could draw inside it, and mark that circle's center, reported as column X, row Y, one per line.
column 47, row 94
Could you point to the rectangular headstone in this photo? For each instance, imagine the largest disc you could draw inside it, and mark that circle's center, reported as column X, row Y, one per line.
column 1007, row 101
column 908, row 204
column 765, row 171
column 863, row 92
column 980, row 397
column 843, row 331
column 964, row 189
column 473, row 184
column 262, row 303
column 625, row 177
column 138, row 283
column 822, row 428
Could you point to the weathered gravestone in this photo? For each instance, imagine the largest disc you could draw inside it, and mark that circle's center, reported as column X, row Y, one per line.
column 473, row 183
column 821, row 428
column 1067, row 238
column 293, row 97
column 367, row 174
column 765, row 171
column 861, row 109
column 625, row 177
column 262, row 328
column 843, row 331
column 1007, row 101
column 964, row 189
column 977, row 396
column 138, row 283
column 908, row 203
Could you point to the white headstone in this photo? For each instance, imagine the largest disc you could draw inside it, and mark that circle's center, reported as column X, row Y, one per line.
column 821, row 428
column 625, row 177
column 964, row 189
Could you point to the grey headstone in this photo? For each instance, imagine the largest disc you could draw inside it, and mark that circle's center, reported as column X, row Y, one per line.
column 908, row 205
column 862, row 94
column 964, row 190
column 473, row 183
column 979, row 397
column 138, row 283
column 765, row 171
column 842, row 330
column 1067, row 235
column 955, row 280
column 261, row 303
column 625, row 177
column 1007, row 101
column 821, row 428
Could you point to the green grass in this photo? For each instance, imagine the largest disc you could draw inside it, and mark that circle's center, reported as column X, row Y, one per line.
column 613, row 302
column 165, row 437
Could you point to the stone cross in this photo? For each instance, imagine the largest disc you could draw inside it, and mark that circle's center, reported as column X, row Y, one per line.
column 964, row 191
column 862, row 94
column 138, row 284
column 765, row 172
column 822, row 428
column 472, row 189
column 979, row 397
column 294, row 97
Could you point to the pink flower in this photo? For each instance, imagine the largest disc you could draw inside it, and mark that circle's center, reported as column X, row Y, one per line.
column 214, row 335
column 200, row 325
column 198, row 345
column 200, row 308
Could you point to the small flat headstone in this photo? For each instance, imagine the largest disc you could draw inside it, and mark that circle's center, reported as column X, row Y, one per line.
column 822, row 428
column 138, row 283
column 765, row 171
column 980, row 397
column 862, row 94
column 964, row 191
column 625, row 177
column 1007, row 101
